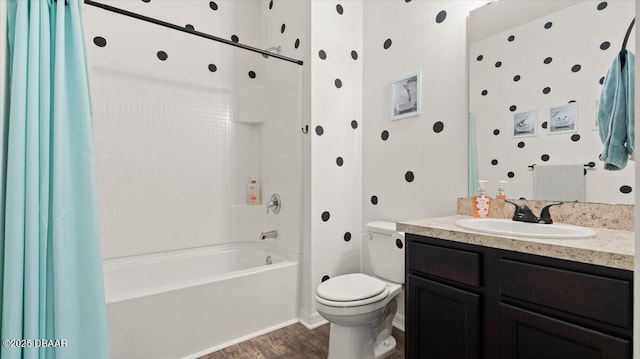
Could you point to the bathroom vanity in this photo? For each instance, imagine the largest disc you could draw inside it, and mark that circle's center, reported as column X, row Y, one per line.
column 472, row 295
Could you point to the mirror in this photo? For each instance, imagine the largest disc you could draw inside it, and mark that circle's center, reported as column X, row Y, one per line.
column 536, row 70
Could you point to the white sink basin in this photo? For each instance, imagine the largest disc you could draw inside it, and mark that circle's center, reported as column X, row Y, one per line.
column 508, row 227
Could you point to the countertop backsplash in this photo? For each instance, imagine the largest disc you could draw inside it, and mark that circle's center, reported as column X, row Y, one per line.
column 598, row 215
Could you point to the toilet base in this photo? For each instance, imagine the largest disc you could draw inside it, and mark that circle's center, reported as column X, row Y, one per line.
column 385, row 348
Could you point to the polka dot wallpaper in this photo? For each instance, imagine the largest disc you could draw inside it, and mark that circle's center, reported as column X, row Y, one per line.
column 553, row 61
column 336, row 150
column 414, row 167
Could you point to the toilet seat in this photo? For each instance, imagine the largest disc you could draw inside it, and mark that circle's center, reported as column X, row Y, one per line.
column 351, row 290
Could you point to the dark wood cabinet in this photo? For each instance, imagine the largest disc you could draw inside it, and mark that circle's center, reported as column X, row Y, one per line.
column 447, row 324
column 466, row 301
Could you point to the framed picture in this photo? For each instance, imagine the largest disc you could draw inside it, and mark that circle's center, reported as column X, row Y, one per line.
column 524, row 123
column 563, row 118
column 405, row 96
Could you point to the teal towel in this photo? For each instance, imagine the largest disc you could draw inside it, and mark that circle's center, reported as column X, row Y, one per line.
column 616, row 113
column 473, row 160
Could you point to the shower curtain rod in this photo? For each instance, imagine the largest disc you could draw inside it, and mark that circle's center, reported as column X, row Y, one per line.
column 188, row 31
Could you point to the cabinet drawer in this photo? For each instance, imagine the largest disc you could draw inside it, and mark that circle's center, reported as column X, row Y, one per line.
column 603, row 299
column 453, row 264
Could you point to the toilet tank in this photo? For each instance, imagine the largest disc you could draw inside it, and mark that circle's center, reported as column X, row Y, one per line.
column 385, row 248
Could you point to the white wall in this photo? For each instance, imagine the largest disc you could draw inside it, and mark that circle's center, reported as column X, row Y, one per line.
column 335, row 169
column 175, row 141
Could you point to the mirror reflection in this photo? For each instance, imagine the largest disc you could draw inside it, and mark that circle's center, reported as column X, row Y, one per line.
column 534, row 90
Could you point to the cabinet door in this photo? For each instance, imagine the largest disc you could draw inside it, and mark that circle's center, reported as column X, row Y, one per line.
column 528, row 335
column 442, row 321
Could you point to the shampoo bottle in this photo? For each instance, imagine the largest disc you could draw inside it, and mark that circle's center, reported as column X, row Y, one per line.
column 501, row 186
column 481, row 201
column 253, row 191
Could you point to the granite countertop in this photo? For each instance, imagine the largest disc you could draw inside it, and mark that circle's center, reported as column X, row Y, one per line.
column 611, row 248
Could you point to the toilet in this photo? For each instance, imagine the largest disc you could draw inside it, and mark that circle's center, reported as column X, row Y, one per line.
column 361, row 307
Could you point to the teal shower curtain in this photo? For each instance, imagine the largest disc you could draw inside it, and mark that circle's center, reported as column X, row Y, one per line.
column 51, row 283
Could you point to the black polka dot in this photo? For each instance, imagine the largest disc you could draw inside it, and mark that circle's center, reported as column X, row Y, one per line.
column 252, row 74
column 576, row 68
column 384, row 135
column 339, row 161
column 548, row 25
column 100, row 41
column 270, row 4
column 494, row 162
column 512, row 108
column 189, row 27
column 213, row 5
column 162, row 55
column 496, row 132
column 339, row 9
column 544, row 157
column 438, row 127
column 354, row 124
column 544, row 124
column 484, row 92
column 605, row 45
column 399, row 243
column 409, row 177
column 213, row 68
column 347, row 236
column 354, row 54
column 625, row 189
column 546, row 90
column 235, row 38
column 338, row 83
column 498, row 63
column 297, row 43
column 575, row 137
column 602, row 5
column 325, row 216
column 322, row 55
column 282, row 28
column 572, row 101
column 441, row 16
column 319, row 130
column 511, row 174
column 511, row 38
column 325, row 278
column 548, row 60
column 521, row 144
column 601, row 81
column 387, row 44
column 374, row 200
column 516, row 78
column 479, row 58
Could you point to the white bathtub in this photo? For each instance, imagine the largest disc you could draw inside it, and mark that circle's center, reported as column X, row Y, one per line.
column 187, row 303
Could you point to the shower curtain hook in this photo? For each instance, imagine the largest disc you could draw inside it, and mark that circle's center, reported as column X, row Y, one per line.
column 305, row 129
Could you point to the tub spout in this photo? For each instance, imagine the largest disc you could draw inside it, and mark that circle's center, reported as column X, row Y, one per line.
column 269, row 234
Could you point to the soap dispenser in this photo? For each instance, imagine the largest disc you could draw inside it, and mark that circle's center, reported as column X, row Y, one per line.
column 481, row 201
column 253, row 191
column 501, row 186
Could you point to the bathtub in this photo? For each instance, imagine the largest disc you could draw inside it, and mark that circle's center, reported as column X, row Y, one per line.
column 187, row 303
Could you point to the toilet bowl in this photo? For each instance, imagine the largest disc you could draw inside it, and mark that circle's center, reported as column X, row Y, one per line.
column 361, row 307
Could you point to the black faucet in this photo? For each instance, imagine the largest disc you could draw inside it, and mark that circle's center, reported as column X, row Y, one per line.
column 524, row 214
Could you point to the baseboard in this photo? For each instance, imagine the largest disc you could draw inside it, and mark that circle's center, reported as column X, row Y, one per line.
column 240, row 339
column 312, row 320
column 398, row 321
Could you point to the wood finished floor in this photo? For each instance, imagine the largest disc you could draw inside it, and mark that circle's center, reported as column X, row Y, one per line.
column 292, row 342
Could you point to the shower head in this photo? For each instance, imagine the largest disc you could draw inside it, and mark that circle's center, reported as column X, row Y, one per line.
column 273, row 49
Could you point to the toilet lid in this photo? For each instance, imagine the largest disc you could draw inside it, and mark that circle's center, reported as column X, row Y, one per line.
column 350, row 287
